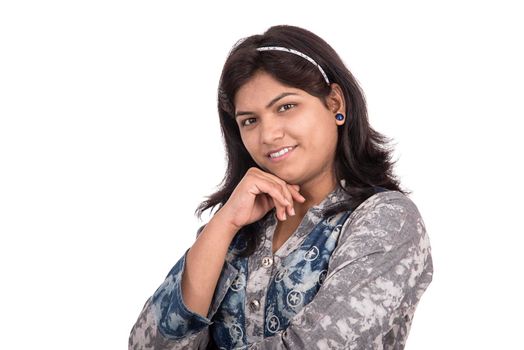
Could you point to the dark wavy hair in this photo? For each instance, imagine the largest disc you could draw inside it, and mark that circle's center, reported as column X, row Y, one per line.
column 362, row 159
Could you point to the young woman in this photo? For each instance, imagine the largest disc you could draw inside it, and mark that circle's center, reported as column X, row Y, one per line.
column 314, row 245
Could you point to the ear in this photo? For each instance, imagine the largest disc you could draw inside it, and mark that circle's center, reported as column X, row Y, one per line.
column 336, row 100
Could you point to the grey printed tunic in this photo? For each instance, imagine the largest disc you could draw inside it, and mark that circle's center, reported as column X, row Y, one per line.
column 350, row 281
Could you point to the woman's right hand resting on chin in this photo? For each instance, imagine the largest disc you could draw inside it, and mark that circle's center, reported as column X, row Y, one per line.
column 256, row 194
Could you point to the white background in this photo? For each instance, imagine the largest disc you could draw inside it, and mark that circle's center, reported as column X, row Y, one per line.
column 109, row 139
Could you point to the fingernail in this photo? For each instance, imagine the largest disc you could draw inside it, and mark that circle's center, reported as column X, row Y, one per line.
column 285, row 217
column 292, row 211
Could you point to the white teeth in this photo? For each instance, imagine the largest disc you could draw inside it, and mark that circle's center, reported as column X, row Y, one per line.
column 278, row 154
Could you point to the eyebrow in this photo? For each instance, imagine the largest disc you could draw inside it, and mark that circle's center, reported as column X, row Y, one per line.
column 271, row 103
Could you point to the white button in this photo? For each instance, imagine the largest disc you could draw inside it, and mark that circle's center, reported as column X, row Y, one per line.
column 254, row 305
column 267, row 261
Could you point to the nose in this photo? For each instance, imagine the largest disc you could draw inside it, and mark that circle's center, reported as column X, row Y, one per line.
column 271, row 130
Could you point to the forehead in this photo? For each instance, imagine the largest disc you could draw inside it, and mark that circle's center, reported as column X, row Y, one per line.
column 260, row 89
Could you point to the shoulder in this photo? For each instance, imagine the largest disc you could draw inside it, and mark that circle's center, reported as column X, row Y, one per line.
column 383, row 220
column 386, row 208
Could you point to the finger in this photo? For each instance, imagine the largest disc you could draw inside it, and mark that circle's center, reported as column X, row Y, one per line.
column 286, row 188
column 296, row 195
column 280, row 201
column 285, row 204
column 285, row 192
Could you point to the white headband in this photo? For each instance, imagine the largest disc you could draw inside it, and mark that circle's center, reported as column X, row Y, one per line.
column 267, row 48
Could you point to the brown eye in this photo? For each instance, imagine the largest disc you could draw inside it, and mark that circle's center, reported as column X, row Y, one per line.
column 287, row 104
column 245, row 120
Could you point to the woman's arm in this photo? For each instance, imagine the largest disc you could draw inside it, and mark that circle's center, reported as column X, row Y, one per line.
column 173, row 318
column 204, row 263
column 376, row 276
column 175, row 312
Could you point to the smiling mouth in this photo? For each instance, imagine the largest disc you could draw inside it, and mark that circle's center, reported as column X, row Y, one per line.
column 275, row 157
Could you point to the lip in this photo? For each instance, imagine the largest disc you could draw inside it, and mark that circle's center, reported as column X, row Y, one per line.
column 282, row 157
column 279, row 149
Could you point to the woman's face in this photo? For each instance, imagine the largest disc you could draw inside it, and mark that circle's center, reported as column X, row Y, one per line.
column 272, row 116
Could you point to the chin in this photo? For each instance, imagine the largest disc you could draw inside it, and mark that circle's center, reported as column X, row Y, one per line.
column 289, row 178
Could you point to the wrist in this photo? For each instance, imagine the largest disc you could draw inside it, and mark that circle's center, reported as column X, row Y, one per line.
column 222, row 220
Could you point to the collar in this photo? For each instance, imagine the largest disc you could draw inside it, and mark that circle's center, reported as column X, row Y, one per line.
column 313, row 216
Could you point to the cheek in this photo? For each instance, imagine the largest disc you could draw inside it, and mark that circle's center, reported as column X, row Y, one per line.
column 249, row 144
column 245, row 140
column 322, row 137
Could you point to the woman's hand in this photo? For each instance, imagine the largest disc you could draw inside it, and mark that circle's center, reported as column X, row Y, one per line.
column 256, row 194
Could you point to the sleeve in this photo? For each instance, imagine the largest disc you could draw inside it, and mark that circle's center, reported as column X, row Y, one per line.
column 166, row 323
column 376, row 276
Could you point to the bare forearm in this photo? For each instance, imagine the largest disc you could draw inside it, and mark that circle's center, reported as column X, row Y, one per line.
column 204, row 264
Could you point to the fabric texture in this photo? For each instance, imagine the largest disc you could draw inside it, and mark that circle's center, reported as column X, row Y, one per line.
column 349, row 281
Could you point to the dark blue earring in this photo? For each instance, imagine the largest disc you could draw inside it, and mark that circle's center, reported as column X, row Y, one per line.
column 339, row 116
